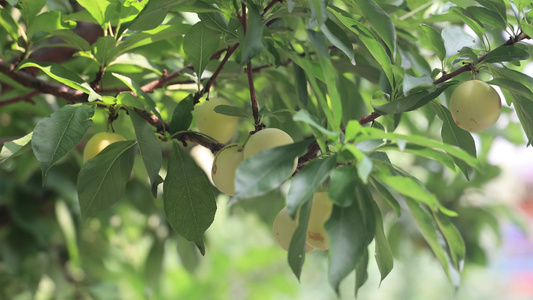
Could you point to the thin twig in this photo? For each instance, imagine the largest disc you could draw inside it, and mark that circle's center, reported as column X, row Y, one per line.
column 25, row 97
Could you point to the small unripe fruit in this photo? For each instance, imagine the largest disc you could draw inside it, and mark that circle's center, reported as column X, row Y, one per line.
column 321, row 209
column 99, row 142
column 284, row 228
column 218, row 126
column 475, row 105
column 224, row 167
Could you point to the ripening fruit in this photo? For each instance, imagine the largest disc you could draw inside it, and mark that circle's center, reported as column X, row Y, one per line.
column 283, row 229
column 266, row 139
column 224, row 167
column 321, row 209
column 475, row 105
column 98, row 142
column 218, row 126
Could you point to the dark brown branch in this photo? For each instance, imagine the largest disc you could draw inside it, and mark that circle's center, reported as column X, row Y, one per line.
column 269, row 6
column 199, row 139
column 25, row 97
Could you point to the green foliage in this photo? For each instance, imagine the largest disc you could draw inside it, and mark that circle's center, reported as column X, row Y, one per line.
column 358, row 84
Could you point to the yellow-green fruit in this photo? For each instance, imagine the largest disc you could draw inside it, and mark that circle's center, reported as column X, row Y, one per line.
column 224, row 167
column 321, row 209
column 218, row 126
column 98, row 142
column 266, row 139
column 475, row 105
column 283, row 229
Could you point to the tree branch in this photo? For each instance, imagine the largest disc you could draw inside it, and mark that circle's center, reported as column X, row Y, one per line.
column 25, row 97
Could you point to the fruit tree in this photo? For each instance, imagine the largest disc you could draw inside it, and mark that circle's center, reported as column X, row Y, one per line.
column 382, row 111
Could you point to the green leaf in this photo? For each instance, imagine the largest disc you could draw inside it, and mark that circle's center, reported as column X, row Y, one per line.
column 56, row 135
column 152, row 15
column 16, row 147
column 304, row 116
column 48, row 22
column 380, row 21
column 438, row 156
column 199, row 44
column 341, row 185
column 338, row 38
column 318, row 11
column 188, row 197
column 507, row 53
column 267, row 170
column 470, row 21
column 429, row 231
column 361, row 272
column 182, row 116
column 151, row 36
column 414, row 100
column 453, row 135
column 137, row 89
column 296, row 255
column 149, row 145
column 230, row 110
column 307, row 181
column 105, row 50
column 253, row 39
column 100, row 10
column 497, row 6
column 455, row 39
column 487, row 17
column 334, row 102
column 318, row 39
column 456, row 244
column 386, row 195
column 411, row 188
column 524, row 110
column 383, row 252
column 72, row 39
column 436, row 41
column 30, row 8
column 62, row 75
column 9, row 24
column 413, row 83
column 216, row 21
column 348, row 242
column 102, row 179
column 371, row 43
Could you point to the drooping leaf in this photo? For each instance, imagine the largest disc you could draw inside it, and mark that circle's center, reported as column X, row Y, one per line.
column 470, row 21
column 453, row 135
column 188, row 197
column 371, row 43
column 342, row 182
column 334, row 99
column 151, row 36
column 9, row 24
column 15, row 147
column 307, row 181
column 199, row 44
column 411, row 188
column 296, row 255
column 338, row 38
column 62, row 75
column 436, row 41
column 105, row 50
column 438, row 156
column 149, row 145
column 102, row 179
column 380, row 21
column 524, row 110
column 361, row 272
column 230, row 110
column 49, row 22
column 267, row 170
column 429, row 231
column 253, row 39
column 72, row 39
column 31, row 8
column 383, row 252
column 182, row 116
column 386, row 195
column 348, row 241
column 454, row 240
column 487, row 16
column 56, row 135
